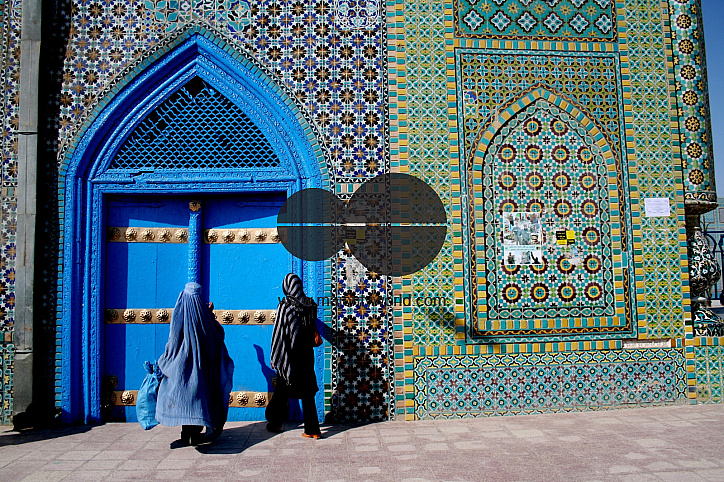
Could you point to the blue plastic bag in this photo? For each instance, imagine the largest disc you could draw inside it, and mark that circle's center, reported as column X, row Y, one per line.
column 147, row 396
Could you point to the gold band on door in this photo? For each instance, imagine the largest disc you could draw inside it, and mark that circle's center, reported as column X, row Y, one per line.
column 127, row 398
column 163, row 315
column 132, row 234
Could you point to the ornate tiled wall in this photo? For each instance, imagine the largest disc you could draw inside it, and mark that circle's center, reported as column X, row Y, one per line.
column 546, row 162
column 621, row 79
column 433, row 87
column 428, row 159
column 693, row 101
column 332, row 64
column 463, row 386
column 569, row 19
column 710, row 373
column 10, row 60
column 658, row 166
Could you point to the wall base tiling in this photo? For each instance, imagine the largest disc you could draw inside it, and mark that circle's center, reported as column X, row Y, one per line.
column 459, row 386
column 7, row 359
column 709, row 372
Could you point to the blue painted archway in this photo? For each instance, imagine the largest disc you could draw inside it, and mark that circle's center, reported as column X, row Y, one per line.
column 85, row 184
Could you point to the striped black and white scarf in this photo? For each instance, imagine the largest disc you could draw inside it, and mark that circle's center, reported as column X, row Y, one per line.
column 295, row 311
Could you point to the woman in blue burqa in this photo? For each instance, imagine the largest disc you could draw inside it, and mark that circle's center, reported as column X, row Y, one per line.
column 197, row 369
column 292, row 354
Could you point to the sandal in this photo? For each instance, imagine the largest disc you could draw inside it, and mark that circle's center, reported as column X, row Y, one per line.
column 315, row 436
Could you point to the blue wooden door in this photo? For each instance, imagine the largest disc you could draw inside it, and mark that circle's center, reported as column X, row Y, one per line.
column 142, row 275
column 245, row 276
column 241, row 266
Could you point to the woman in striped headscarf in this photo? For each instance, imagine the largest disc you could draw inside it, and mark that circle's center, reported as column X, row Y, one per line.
column 292, row 354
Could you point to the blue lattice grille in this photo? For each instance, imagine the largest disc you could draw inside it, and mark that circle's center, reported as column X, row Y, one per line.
column 196, row 128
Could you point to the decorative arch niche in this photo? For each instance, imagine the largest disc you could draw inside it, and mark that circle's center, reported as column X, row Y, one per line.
column 547, row 229
column 193, row 65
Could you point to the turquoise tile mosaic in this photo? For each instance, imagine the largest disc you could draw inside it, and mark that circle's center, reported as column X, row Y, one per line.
column 488, row 81
column 428, row 159
column 710, row 374
column 622, row 82
column 562, row 162
column 327, row 56
column 693, row 100
column 10, row 21
column 544, row 163
column 474, row 386
column 657, row 168
column 529, row 19
column 7, row 358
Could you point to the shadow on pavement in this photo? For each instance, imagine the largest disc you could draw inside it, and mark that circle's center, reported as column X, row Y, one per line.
column 34, row 435
column 237, row 439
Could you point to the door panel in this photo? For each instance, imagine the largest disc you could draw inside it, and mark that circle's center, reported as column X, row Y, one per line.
column 240, row 276
column 141, row 275
column 145, row 271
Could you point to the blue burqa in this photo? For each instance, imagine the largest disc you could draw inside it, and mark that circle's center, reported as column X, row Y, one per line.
column 197, row 368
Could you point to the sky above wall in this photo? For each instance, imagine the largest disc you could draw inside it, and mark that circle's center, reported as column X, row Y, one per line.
column 713, row 13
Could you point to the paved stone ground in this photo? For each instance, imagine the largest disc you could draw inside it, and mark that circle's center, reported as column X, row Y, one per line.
column 663, row 443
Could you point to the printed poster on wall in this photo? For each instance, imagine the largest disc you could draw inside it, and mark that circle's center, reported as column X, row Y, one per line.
column 522, row 238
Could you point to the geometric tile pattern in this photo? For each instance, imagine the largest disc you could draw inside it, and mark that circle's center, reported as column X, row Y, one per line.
column 693, row 104
column 490, row 79
column 363, row 334
column 477, row 95
column 428, row 160
column 8, row 229
column 710, row 374
column 7, row 359
column 335, row 69
column 10, row 59
column 532, row 164
column 658, row 169
column 10, row 21
column 336, row 75
column 523, row 19
column 474, row 386
column 335, row 66
column 545, row 165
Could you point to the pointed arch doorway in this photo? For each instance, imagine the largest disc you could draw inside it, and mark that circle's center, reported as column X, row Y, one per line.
column 178, row 177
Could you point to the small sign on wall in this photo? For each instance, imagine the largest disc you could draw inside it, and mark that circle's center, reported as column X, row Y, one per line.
column 565, row 237
column 522, row 238
column 657, row 207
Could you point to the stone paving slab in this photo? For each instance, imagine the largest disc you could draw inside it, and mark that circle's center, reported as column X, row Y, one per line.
column 675, row 443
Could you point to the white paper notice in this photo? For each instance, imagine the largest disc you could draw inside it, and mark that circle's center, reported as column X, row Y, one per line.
column 657, row 207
